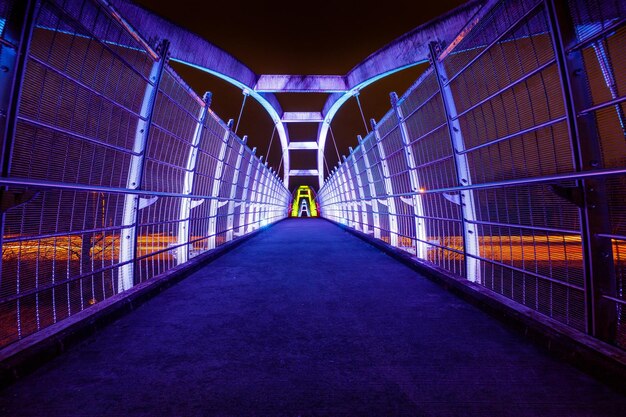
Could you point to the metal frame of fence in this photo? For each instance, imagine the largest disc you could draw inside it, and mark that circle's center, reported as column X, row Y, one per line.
column 505, row 163
column 113, row 170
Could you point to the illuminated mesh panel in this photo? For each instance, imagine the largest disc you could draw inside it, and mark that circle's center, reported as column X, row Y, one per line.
column 251, row 173
column 510, row 109
column 600, row 39
column 269, row 213
column 362, row 192
column 255, row 198
column 76, row 125
column 371, row 151
column 210, row 144
column 506, row 170
column 279, row 201
column 344, row 196
column 391, row 141
column 85, row 101
column 226, row 180
column 173, row 125
column 431, row 146
column 240, row 193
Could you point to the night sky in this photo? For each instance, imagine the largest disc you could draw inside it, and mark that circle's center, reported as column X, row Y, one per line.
column 283, row 37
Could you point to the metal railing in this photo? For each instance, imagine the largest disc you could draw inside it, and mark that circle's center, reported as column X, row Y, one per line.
column 113, row 170
column 505, row 163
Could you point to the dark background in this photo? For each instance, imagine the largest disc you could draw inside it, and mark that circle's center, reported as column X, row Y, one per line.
column 287, row 37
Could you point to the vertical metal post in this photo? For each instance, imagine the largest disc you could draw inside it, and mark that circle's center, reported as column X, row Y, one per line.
column 244, row 196
column 268, row 197
column 230, row 222
column 337, row 209
column 354, row 205
column 609, row 78
column 275, row 198
column 374, row 197
column 600, row 278
column 254, row 195
column 182, row 252
column 263, row 195
column 275, row 195
column 346, row 192
column 17, row 34
column 325, row 199
column 215, row 189
column 421, row 245
column 256, row 218
column 391, row 202
column 342, row 212
column 333, row 196
column 362, row 203
column 345, row 195
column 130, row 216
column 471, row 244
column 285, row 197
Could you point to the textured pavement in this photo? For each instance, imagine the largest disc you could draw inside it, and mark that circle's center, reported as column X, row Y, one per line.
column 305, row 319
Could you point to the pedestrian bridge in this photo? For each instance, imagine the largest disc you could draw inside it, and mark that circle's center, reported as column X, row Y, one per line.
column 305, row 319
column 501, row 172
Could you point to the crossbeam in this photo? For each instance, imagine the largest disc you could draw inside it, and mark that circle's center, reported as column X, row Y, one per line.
column 303, row 146
column 301, row 84
column 303, row 173
column 302, row 117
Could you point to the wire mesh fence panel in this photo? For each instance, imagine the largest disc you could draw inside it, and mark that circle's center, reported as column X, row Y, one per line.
column 512, row 119
column 246, row 198
column 75, row 126
column 431, row 147
column 398, row 177
column 225, row 181
column 516, row 136
column 240, row 192
column 65, row 242
column 596, row 43
column 112, row 175
column 207, row 161
column 174, row 122
column 372, row 154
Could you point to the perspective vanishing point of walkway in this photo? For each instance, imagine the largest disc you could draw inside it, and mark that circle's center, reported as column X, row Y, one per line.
column 305, row 319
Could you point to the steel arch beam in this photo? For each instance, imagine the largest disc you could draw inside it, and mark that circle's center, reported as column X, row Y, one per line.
column 408, row 50
column 192, row 50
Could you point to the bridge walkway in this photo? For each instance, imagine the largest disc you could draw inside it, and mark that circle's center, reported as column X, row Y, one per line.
column 306, row 319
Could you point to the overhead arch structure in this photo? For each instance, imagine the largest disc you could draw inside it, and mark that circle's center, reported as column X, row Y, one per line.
column 406, row 51
column 191, row 49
